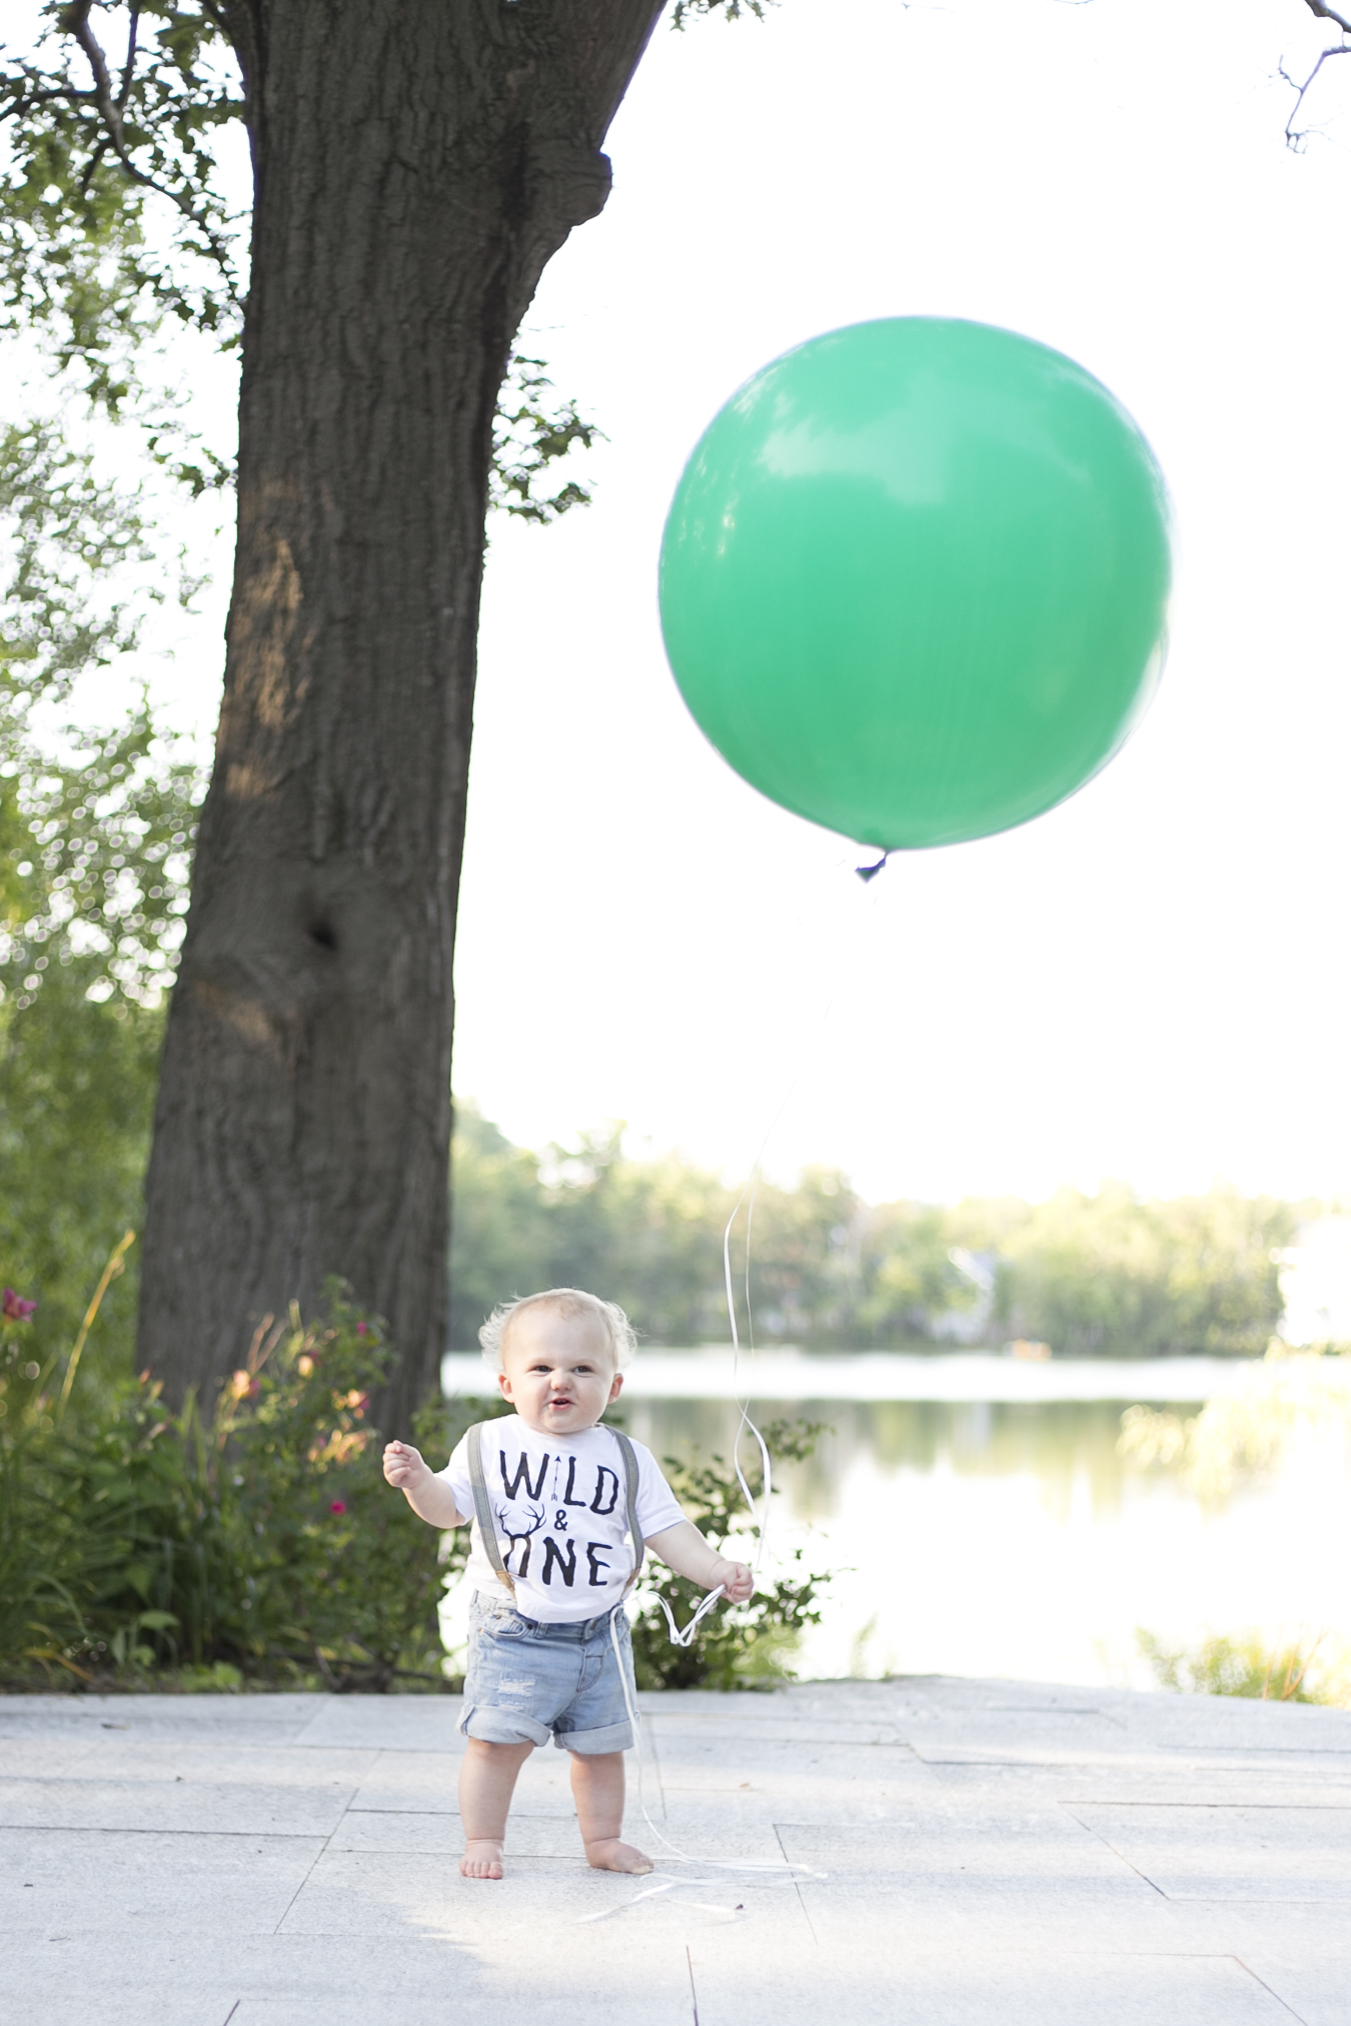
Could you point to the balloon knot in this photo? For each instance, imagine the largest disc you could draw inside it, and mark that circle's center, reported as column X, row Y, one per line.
column 867, row 872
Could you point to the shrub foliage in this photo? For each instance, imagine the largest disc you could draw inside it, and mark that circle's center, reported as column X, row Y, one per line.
column 738, row 1646
column 260, row 1537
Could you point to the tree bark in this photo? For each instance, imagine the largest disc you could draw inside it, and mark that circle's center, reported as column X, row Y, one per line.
column 417, row 162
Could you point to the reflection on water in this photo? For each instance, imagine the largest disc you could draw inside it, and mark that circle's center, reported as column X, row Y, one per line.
column 1062, row 1446
column 987, row 1538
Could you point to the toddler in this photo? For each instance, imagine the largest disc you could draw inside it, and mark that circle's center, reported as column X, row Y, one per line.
column 551, row 1570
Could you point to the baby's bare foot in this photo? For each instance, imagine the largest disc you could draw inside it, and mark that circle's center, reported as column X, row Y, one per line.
column 609, row 1854
column 482, row 1858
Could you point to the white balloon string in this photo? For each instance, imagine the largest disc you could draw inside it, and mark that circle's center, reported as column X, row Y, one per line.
column 685, row 1638
column 775, row 1874
column 784, row 1873
column 745, row 1424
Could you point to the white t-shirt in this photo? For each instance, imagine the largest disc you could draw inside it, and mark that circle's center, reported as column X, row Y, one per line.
column 562, row 1516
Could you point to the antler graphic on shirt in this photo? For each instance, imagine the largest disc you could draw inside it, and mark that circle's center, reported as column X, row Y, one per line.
column 537, row 1515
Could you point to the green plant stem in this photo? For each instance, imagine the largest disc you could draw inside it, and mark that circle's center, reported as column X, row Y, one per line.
column 116, row 1262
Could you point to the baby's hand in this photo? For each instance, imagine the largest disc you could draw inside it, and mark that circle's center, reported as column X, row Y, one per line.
column 736, row 1579
column 404, row 1467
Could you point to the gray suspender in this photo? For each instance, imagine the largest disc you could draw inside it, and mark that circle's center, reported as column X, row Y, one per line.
column 483, row 1512
column 631, row 1496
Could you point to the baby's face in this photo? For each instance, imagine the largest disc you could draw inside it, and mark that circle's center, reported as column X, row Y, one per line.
column 558, row 1371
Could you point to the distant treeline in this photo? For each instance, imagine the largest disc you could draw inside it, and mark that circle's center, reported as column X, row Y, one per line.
column 1104, row 1275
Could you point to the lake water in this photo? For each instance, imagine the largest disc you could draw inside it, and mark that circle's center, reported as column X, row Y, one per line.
column 978, row 1519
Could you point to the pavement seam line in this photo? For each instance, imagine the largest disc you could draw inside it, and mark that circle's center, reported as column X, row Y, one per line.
column 317, row 1855
column 94, row 1829
column 1250, row 1971
column 1088, row 1827
column 1286, row 1807
column 797, row 1887
column 299, row 1889
column 694, row 1995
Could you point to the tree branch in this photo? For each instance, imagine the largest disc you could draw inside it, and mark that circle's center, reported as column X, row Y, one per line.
column 74, row 19
column 1296, row 138
column 70, row 93
column 1323, row 13
column 128, row 68
column 91, row 167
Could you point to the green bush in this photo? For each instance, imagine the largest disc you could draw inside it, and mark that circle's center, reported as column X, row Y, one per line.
column 737, row 1646
column 261, row 1538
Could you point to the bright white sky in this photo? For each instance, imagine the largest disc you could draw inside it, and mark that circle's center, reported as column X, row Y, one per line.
column 1150, row 982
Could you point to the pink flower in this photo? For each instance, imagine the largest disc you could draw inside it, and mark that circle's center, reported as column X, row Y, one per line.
column 338, row 1505
column 361, row 1329
column 15, row 1310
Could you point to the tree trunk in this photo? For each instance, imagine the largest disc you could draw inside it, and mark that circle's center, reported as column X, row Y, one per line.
column 417, row 162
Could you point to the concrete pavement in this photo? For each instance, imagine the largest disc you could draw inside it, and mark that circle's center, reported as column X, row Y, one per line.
column 971, row 1853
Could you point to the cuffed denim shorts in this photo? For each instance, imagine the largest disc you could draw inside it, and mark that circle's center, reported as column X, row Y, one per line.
column 527, row 1682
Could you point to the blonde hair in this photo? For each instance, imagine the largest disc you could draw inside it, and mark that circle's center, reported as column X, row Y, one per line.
column 567, row 1301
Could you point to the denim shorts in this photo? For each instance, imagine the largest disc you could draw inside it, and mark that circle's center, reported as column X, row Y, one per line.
column 528, row 1681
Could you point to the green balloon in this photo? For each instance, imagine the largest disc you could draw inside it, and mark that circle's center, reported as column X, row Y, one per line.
column 914, row 580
